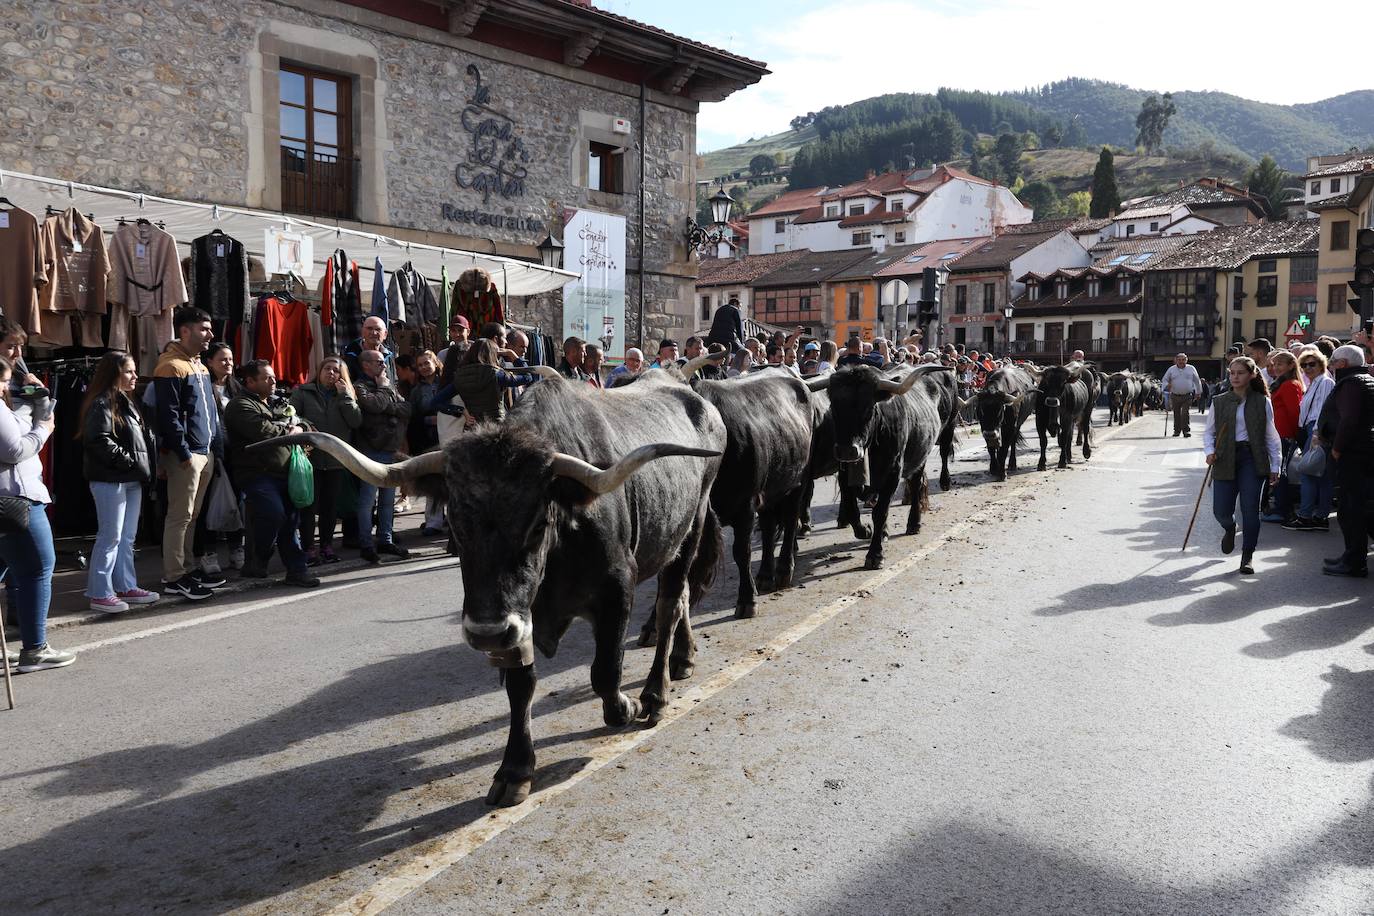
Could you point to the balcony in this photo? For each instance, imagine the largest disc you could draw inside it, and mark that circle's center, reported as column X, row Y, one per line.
column 1056, row 351
column 1162, row 343
column 320, row 185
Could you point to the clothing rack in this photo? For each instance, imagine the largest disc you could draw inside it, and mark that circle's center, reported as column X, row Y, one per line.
column 84, row 362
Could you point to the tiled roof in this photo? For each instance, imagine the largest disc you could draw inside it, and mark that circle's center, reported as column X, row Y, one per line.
column 1157, row 246
column 1228, row 247
column 1204, row 193
column 933, row 254
column 813, row 267
column 1145, row 212
column 587, row 7
column 1074, row 224
column 1357, row 163
column 1340, row 201
column 869, row 266
column 789, row 202
column 999, row 252
column 741, row 271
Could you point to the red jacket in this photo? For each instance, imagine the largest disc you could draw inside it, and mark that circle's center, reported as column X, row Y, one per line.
column 1287, row 399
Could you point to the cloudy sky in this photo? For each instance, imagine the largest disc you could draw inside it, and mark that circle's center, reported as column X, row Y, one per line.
column 824, row 52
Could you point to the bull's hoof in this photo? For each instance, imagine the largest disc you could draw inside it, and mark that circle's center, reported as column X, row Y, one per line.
column 649, row 635
column 680, row 670
column 784, row 581
column 998, row 477
column 1040, row 466
column 508, row 794
column 863, row 532
column 944, row 480
column 653, row 708
column 913, row 529
column 621, row 713
column 873, row 562
column 765, row 584
column 745, row 611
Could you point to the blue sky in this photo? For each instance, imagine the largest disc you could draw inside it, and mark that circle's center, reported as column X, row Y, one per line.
column 824, row 52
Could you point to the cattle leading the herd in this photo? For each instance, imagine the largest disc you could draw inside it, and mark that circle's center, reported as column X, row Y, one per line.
column 581, row 495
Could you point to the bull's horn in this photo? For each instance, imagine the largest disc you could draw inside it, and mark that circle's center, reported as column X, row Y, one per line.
column 545, row 371
column 366, row 470
column 699, row 362
column 899, row 388
column 602, row 482
column 819, row 383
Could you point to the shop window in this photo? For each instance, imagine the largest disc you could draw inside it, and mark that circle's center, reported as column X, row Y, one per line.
column 318, row 172
column 605, row 168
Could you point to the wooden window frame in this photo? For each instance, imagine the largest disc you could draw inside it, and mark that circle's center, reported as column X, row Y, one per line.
column 605, row 167
column 343, row 148
column 1340, row 235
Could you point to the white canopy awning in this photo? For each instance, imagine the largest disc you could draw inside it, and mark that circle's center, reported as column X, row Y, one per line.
column 187, row 221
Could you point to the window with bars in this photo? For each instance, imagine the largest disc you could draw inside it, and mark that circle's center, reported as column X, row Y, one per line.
column 318, row 172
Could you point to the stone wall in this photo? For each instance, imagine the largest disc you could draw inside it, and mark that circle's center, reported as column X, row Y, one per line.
column 178, row 98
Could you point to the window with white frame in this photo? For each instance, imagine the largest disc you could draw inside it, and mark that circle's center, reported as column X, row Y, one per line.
column 863, row 237
column 832, row 211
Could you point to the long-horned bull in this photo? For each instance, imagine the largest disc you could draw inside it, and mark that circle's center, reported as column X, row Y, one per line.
column 762, row 475
column 1005, row 401
column 558, row 513
column 895, row 422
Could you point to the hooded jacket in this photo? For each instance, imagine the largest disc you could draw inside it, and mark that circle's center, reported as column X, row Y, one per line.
column 187, row 419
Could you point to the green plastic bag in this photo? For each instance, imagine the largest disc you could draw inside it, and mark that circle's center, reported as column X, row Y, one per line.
column 300, row 478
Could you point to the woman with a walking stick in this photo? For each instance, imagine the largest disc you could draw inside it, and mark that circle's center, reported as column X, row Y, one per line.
column 1242, row 448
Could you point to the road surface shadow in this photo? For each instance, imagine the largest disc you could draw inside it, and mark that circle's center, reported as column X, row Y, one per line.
column 1321, row 628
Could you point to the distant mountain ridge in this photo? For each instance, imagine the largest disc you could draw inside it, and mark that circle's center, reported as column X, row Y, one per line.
column 1084, row 113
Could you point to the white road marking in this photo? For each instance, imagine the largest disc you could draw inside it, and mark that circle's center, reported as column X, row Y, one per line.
column 1189, row 459
column 240, row 611
column 1116, row 454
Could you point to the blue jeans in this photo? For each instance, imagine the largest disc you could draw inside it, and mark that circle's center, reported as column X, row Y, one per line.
column 274, row 520
column 1247, row 487
column 384, row 499
column 1316, row 491
column 112, row 558
column 28, row 558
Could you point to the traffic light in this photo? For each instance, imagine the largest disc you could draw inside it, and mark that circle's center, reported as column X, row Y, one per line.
column 928, row 308
column 1363, row 284
column 929, row 285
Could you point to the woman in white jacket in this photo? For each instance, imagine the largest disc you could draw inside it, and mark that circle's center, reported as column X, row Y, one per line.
column 26, row 546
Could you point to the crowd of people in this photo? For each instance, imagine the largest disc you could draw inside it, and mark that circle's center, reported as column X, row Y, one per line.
column 1306, row 416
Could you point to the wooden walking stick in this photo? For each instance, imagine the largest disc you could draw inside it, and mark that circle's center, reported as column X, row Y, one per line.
column 1206, row 478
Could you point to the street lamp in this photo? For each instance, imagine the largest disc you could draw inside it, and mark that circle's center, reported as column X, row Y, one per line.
column 1007, row 311
column 551, row 252
column 701, row 239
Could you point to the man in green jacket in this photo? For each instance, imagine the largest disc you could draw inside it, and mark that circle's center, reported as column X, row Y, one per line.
column 258, row 415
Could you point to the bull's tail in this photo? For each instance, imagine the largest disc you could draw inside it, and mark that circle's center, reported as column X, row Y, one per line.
column 710, row 551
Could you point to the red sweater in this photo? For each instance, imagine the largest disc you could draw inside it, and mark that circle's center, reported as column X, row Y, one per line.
column 1287, row 399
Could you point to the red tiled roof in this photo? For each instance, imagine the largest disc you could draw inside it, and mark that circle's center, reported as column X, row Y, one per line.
column 745, row 270
column 932, row 254
column 1351, row 165
column 789, row 202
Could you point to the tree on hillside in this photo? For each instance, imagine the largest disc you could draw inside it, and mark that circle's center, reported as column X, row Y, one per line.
column 1106, row 200
column 1041, row 197
column 1273, row 183
column 803, row 121
column 761, row 164
column 1054, row 135
column 1150, row 124
column 1079, row 203
column 1008, row 152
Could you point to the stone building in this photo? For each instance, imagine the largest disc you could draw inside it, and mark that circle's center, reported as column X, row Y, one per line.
column 471, row 125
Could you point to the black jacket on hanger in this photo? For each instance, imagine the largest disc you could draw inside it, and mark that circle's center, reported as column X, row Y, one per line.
column 219, row 276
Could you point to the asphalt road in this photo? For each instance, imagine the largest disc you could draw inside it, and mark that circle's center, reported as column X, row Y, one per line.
column 1039, row 706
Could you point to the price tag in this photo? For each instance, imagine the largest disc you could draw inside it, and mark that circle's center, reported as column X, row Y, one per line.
column 76, row 246
column 141, row 251
column 4, row 220
column 219, row 250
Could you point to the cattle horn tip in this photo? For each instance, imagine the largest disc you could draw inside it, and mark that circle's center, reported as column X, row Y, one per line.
column 545, row 371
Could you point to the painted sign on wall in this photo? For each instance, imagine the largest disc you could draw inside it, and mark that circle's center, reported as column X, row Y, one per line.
column 594, row 304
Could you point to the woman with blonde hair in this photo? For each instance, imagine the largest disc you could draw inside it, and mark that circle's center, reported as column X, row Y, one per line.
column 330, row 403
column 1242, row 448
column 1314, row 504
column 1285, row 391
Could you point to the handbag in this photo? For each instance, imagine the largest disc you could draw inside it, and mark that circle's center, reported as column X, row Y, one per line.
column 1311, row 462
column 300, row 478
column 222, row 504
column 14, row 514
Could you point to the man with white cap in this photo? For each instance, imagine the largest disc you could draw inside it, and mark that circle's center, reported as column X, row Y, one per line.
column 1346, row 427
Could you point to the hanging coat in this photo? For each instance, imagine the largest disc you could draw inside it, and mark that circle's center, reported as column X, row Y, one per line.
column 219, row 277
column 380, row 307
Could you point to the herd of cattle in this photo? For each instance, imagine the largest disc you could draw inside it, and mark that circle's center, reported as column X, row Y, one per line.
column 580, row 495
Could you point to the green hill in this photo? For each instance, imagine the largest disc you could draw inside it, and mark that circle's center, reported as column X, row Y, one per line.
column 1211, row 133
column 1214, row 120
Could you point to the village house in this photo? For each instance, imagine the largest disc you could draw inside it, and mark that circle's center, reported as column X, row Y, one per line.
column 795, row 294
column 894, row 208
column 1332, row 176
column 1341, row 215
column 721, row 279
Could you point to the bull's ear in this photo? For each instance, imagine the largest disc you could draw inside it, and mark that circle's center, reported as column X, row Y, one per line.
column 571, row 494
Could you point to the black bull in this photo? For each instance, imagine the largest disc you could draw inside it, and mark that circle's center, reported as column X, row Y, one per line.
column 1064, row 401
column 1125, row 394
column 895, row 421
column 546, row 536
column 1005, row 401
